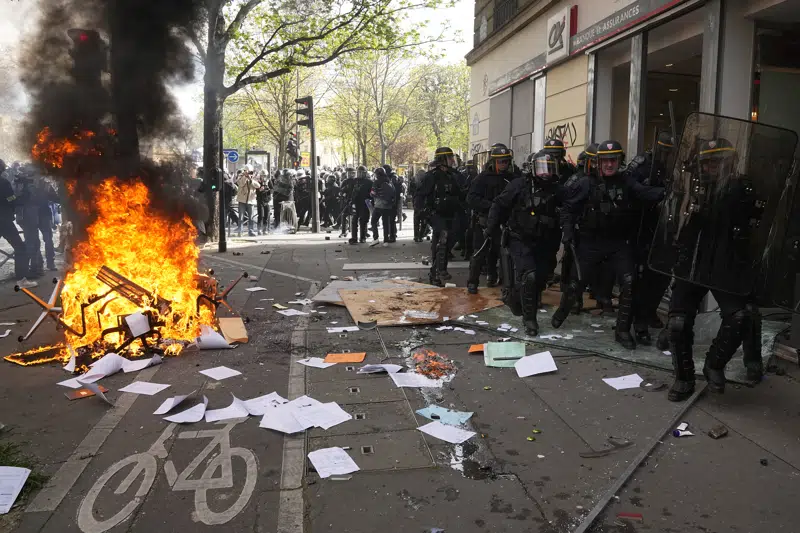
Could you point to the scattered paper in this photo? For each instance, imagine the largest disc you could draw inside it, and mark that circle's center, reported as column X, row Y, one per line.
column 667, row 352
column 298, row 294
column 631, row 381
column 323, row 416
column 538, row 363
column 412, row 379
column 444, row 328
column 107, row 365
column 446, row 432
column 477, row 348
column 267, row 299
column 237, row 409
column 171, row 403
column 542, row 310
column 220, row 373
column 375, row 369
column 345, row 357
column 598, row 331
column 70, row 366
column 144, row 387
column 72, row 383
column 481, row 323
column 503, row 354
column 8, row 323
column 683, row 426
column 596, row 325
column 233, row 329
column 332, row 462
column 279, row 306
column 98, row 391
column 444, row 415
column 210, row 339
column 473, row 316
column 301, row 302
column 138, row 324
column 255, row 289
column 316, row 362
column 345, row 329
column 4, row 335
column 141, row 364
column 283, row 417
column 467, row 331
column 12, row 479
column 258, row 406
column 550, row 337
column 191, row 415
column 291, row 312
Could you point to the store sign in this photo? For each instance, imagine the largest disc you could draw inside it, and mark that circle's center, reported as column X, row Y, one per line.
column 523, row 71
column 619, row 21
column 557, row 36
column 305, row 159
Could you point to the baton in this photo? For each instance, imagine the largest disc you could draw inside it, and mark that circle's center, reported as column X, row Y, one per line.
column 575, row 260
column 486, row 242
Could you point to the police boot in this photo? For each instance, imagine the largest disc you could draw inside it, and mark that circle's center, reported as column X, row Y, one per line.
column 474, row 276
column 567, row 303
column 529, row 295
column 625, row 315
column 662, row 342
column 441, row 259
column 722, row 349
column 435, row 280
column 751, row 345
column 681, row 338
column 643, row 334
column 491, row 280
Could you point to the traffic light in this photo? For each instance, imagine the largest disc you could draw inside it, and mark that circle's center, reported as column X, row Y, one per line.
column 307, row 111
column 89, row 55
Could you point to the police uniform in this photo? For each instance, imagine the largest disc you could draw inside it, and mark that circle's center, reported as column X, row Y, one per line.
column 362, row 186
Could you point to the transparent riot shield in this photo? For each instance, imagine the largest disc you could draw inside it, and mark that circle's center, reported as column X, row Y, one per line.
column 719, row 224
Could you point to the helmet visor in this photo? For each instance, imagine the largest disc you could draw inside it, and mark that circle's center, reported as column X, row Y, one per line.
column 544, row 167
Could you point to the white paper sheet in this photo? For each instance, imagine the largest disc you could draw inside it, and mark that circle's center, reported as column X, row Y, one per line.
column 323, row 416
column 255, row 289
column 631, row 381
column 8, row 323
column 412, row 379
column 258, row 406
column 283, row 417
column 210, row 339
column 316, row 362
column 12, row 479
column 141, row 364
column 4, row 335
column 191, row 415
column 107, row 365
column 467, row 331
column 375, row 369
column 538, row 363
column 447, row 433
column 301, row 302
column 332, row 462
column 138, row 324
column 144, row 387
column 237, row 409
column 72, row 383
column 291, row 312
column 95, row 388
column 171, row 403
column 70, row 366
column 344, row 329
column 220, row 372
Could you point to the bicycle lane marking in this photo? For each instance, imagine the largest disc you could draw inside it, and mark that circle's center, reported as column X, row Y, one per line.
column 290, row 506
column 51, row 496
column 263, row 270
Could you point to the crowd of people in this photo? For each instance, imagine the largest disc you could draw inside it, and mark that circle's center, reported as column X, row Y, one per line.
column 30, row 200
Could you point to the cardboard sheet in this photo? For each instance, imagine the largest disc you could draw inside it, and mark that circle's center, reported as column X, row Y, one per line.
column 233, row 330
column 330, row 294
column 345, row 357
column 425, row 305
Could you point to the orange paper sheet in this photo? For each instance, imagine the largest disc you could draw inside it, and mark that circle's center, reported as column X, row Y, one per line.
column 476, row 348
column 345, row 357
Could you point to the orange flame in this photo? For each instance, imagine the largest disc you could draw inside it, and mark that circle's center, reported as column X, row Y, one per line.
column 52, row 151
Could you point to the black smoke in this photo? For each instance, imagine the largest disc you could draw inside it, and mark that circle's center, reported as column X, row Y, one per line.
column 127, row 103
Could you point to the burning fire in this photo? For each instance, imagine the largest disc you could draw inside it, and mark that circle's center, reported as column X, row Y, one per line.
column 152, row 250
column 431, row 364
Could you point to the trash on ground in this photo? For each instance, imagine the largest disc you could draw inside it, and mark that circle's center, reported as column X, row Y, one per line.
column 477, row 348
column 467, row 331
column 220, row 372
column 631, row 516
column 291, row 312
column 303, row 413
column 332, row 462
column 538, row 363
column 334, row 278
column 531, row 439
column 237, row 409
column 316, row 362
column 431, row 364
column 304, row 301
column 449, row 285
column 376, row 369
column 717, row 432
column 83, row 393
column 345, row 329
column 255, row 289
column 631, row 381
column 412, row 379
column 12, row 479
column 652, row 385
column 191, row 415
column 487, row 388
column 298, row 293
column 444, row 415
column 144, row 387
column 540, row 456
column 345, row 357
column 259, row 405
column 616, row 445
column 446, row 432
column 210, row 339
column 764, row 462
column 324, row 415
column 170, row 403
column 233, row 329
column 503, row 354
column 279, row 306
column 444, row 328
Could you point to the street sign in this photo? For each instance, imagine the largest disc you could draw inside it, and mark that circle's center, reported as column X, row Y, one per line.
column 305, row 159
column 231, row 155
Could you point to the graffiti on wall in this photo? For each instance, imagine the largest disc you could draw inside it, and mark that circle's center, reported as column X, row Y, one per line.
column 476, row 148
column 565, row 132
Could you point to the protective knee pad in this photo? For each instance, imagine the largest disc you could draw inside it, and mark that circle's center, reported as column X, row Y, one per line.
column 676, row 326
column 627, row 283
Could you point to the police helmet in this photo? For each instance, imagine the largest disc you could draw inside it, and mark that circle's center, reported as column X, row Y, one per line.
column 610, row 151
column 544, row 166
column 380, row 172
column 350, row 172
column 387, row 168
column 362, row 172
column 444, row 157
column 555, row 147
column 497, row 145
column 289, row 173
column 582, row 158
column 500, row 154
column 591, row 157
column 717, row 157
column 665, row 141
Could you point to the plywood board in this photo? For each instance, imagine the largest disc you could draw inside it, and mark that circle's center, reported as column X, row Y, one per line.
column 428, row 305
column 453, row 265
column 330, row 294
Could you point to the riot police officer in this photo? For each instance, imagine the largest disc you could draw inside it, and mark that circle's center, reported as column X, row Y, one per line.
column 332, row 205
column 529, row 209
column 482, row 192
column 649, row 168
column 441, row 195
column 362, row 186
column 604, row 208
column 346, row 198
column 558, row 150
column 282, row 192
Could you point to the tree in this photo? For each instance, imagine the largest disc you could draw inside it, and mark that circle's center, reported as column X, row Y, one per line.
column 444, row 97
column 270, row 38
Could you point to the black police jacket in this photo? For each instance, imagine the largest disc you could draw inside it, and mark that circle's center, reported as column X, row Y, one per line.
column 485, row 188
column 528, row 208
column 646, row 171
column 440, row 192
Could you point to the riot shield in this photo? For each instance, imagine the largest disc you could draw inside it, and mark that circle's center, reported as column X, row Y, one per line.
column 719, row 224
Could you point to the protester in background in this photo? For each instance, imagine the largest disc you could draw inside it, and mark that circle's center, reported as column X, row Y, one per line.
column 283, row 191
column 28, row 212
column 248, row 187
column 264, row 202
column 383, row 194
column 9, row 231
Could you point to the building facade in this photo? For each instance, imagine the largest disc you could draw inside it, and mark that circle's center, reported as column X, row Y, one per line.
column 591, row 70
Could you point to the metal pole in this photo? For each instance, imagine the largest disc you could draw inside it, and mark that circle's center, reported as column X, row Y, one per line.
column 220, row 175
column 315, row 203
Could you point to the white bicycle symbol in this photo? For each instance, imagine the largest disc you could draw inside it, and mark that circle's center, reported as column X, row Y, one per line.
column 146, row 466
